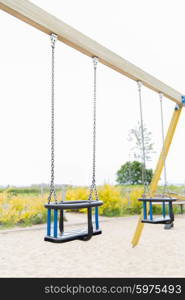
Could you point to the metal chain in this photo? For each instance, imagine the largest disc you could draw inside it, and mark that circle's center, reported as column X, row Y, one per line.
column 53, row 38
column 139, row 83
column 163, row 144
column 93, row 184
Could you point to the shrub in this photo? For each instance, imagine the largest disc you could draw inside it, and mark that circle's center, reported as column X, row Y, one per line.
column 21, row 210
column 27, row 209
column 113, row 202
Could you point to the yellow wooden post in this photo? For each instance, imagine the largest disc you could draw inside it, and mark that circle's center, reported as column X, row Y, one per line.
column 159, row 168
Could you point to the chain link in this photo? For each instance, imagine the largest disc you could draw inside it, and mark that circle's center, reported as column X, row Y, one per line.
column 165, row 188
column 53, row 38
column 144, row 181
column 93, row 184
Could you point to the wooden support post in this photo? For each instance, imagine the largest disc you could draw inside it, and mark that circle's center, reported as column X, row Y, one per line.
column 159, row 168
column 42, row 20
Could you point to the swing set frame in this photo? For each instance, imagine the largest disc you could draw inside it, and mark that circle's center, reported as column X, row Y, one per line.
column 47, row 23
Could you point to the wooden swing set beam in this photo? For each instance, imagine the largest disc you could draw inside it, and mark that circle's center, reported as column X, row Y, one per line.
column 42, row 20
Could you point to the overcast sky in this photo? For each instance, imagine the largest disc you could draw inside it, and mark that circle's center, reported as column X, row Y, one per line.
column 149, row 34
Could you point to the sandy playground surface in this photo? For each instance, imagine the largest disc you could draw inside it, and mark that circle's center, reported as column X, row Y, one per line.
column 23, row 253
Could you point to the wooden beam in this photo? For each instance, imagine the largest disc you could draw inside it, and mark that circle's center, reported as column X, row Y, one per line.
column 40, row 19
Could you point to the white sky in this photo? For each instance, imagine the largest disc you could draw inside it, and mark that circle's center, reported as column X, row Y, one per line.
column 149, row 34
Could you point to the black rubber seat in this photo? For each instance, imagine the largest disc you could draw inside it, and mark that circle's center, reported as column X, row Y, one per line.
column 73, row 235
column 164, row 219
column 83, row 234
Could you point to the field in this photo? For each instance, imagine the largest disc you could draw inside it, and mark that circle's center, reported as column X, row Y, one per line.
column 25, row 206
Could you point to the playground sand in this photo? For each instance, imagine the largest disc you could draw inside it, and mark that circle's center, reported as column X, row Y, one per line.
column 160, row 253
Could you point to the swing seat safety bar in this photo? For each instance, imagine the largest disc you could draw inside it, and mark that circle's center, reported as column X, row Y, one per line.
column 74, row 204
column 157, row 199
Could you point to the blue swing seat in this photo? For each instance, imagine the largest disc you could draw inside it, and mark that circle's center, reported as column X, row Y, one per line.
column 59, row 236
column 164, row 219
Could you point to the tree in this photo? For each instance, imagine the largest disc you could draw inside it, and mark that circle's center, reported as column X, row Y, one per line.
column 135, row 137
column 131, row 173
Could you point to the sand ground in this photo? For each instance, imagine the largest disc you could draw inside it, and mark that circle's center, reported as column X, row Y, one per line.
column 161, row 253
